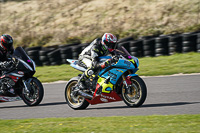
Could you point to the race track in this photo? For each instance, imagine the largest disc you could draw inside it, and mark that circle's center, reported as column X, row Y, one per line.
column 166, row 95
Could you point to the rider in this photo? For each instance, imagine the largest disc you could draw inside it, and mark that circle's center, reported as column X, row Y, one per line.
column 89, row 56
column 6, row 49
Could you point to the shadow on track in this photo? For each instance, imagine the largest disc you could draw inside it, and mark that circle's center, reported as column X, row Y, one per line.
column 116, row 107
column 168, row 104
column 43, row 104
column 50, row 104
column 149, row 105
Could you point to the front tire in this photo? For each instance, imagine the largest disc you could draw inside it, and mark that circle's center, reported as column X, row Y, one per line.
column 36, row 93
column 75, row 102
column 136, row 94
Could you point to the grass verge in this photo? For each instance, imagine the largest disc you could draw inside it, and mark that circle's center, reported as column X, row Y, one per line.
column 123, row 124
column 149, row 66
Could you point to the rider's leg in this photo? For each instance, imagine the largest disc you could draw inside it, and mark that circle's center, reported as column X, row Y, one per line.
column 87, row 63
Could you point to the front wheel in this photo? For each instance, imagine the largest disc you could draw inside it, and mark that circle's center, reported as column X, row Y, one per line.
column 136, row 93
column 76, row 102
column 35, row 94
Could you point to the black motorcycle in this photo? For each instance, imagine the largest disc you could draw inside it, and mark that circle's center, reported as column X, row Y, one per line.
column 18, row 82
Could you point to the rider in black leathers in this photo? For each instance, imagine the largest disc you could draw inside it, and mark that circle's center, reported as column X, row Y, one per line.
column 6, row 62
column 6, row 49
column 89, row 56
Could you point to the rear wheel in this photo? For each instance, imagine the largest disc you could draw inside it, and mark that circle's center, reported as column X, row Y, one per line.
column 136, row 93
column 75, row 101
column 36, row 93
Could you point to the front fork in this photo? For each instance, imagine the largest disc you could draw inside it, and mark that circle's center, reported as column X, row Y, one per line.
column 128, row 84
column 27, row 86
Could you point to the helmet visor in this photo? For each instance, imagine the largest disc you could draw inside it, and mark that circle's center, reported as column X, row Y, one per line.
column 110, row 44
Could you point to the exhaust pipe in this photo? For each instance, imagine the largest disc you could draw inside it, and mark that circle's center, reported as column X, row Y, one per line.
column 85, row 95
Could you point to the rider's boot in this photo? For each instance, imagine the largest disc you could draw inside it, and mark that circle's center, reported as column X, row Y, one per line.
column 81, row 83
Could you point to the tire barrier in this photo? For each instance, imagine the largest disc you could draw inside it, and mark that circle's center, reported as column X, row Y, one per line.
column 146, row 46
column 189, row 42
column 136, row 48
column 54, row 57
column 33, row 53
column 84, row 45
column 76, row 50
column 198, row 42
column 66, row 53
column 44, row 57
column 175, row 44
column 126, row 45
column 149, row 47
column 161, row 46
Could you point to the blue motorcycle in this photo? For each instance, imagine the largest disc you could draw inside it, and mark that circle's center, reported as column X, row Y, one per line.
column 114, row 83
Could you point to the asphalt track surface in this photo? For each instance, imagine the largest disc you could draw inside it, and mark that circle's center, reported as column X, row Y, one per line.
column 166, row 95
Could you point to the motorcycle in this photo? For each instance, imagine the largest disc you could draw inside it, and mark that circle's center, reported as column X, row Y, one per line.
column 18, row 82
column 114, row 83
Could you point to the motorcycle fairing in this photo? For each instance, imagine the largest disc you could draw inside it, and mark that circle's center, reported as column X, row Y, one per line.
column 132, row 75
column 106, row 87
column 124, row 63
column 15, row 75
column 105, row 98
column 74, row 64
column 114, row 74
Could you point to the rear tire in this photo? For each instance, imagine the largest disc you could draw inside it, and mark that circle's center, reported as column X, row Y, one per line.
column 136, row 96
column 75, row 102
column 36, row 93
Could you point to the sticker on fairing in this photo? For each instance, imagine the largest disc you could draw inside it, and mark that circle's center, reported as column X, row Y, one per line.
column 20, row 72
column 104, row 100
column 106, row 87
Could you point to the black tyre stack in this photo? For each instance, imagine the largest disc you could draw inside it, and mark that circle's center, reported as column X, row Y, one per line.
column 125, row 42
column 161, row 46
column 84, row 45
column 136, row 48
column 33, row 53
column 76, row 50
column 54, row 57
column 126, row 45
column 175, row 44
column 189, row 42
column 66, row 53
column 198, row 42
column 149, row 47
column 43, row 55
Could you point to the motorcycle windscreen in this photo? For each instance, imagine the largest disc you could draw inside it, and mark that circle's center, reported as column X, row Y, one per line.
column 122, row 51
column 20, row 53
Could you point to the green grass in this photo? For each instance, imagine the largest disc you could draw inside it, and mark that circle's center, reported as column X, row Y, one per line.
column 167, row 65
column 149, row 66
column 122, row 124
column 55, row 73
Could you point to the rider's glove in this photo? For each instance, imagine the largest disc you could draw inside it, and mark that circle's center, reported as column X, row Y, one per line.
column 14, row 60
column 115, row 59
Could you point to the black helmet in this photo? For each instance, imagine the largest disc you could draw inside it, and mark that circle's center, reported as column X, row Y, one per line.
column 6, row 43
